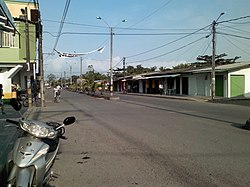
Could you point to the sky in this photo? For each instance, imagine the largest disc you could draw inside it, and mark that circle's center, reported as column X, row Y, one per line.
column 161, row 33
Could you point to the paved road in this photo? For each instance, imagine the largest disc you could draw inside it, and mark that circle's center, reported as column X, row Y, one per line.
column 150, row 142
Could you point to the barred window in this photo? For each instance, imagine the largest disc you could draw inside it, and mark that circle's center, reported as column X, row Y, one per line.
column 1, row 38
column 7, row 39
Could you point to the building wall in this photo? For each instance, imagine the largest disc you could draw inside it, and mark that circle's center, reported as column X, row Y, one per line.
column 9, row 55
column 13, row 56
column 16, row 6
column 140, row 86
column 246, row 73
column 32, row 42
column 192, row 90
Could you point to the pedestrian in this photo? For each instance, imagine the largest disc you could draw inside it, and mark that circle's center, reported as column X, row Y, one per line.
column 1, row 99
column 161, row 88
column 57, row 92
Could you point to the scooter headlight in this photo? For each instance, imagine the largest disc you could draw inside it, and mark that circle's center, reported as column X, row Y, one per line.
column 37, row 130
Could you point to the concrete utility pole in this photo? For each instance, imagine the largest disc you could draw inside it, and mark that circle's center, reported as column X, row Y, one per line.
column 40, row 60
column 111, row 52
column 213, row 56
column 111, row 62
column 213, row 61
column 70, row 74
column 28, row 56
column 124, row 80
column 80, row 67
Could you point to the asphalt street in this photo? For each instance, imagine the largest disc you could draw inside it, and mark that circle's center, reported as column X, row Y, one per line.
column 132, row 142
column 148, row 141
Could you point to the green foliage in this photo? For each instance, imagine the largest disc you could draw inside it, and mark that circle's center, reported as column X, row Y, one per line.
column 181, row 66
column 219, row 59
column 51, row 79
column 131, row 70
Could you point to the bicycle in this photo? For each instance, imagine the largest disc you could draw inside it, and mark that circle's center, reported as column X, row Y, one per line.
column 35, row 100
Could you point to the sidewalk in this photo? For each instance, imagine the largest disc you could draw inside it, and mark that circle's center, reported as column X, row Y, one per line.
column 243, row 101
column 8, row 134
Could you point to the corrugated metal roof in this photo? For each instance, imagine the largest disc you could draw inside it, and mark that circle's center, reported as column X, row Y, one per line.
column 6, row 13
column 223, row 68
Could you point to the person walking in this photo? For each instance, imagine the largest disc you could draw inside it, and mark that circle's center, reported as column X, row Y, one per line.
column 1, row 99
column 57, row 93
column 161, row 88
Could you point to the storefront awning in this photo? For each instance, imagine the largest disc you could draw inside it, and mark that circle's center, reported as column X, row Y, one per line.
column 14, row 71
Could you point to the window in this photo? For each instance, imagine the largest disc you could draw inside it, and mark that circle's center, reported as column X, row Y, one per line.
column 7, row 39
column 1, row 38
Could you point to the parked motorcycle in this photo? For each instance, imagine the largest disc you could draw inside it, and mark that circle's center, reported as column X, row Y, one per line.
column 30, row 161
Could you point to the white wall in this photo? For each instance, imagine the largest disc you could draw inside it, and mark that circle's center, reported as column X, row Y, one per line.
column 5, row 81
column 140, row 86
column 192, row 90
column 245, row 72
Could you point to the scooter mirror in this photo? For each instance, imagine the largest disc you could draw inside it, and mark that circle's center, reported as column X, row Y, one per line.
column 69, row 120
column 15, row 104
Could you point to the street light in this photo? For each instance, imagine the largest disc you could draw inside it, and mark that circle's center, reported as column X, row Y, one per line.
column 111, row 51
column 213, row 55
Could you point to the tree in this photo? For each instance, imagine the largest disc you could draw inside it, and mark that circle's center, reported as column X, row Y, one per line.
column 51, row 79
column 181, row 66
column 162, row 69
column 219, row 59
column 139, row 70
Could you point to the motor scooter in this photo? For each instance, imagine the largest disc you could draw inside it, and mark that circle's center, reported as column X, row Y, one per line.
column 30, row 161
column 247, row 125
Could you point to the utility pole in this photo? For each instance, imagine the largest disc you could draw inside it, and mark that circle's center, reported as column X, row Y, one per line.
column 111, row 52
column 70, row 74
column 81, row 87
column 80, row 67
column 111, row 61
column 28, row 56
column 213, row 61
column 40, row 60
column 124, row 81
column 213, row 56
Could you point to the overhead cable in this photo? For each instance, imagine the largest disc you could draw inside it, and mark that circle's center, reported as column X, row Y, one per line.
column 164, row 54
column 236, row 45
column 151, row 14
column 237, row 36
column 150, row 50
column 62, row 22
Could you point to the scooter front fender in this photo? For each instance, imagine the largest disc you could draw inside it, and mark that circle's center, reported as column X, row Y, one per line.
column 21, row 176
column 27, row 152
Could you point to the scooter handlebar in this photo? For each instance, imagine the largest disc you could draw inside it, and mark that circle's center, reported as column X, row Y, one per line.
column 12, row 121
column 63, row 137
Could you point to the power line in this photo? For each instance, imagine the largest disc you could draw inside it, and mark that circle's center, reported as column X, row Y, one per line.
column 124, row 34
column 62, row 22
column 235, row 45
column 122, row 28
column 151, row 14
column 235, row 29
column 150, row 50
column 164, row 54
column 237, row 36
column 234, row 19
column 72, row 23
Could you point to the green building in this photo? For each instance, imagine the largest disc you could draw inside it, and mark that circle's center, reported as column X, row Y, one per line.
column 14, row 36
